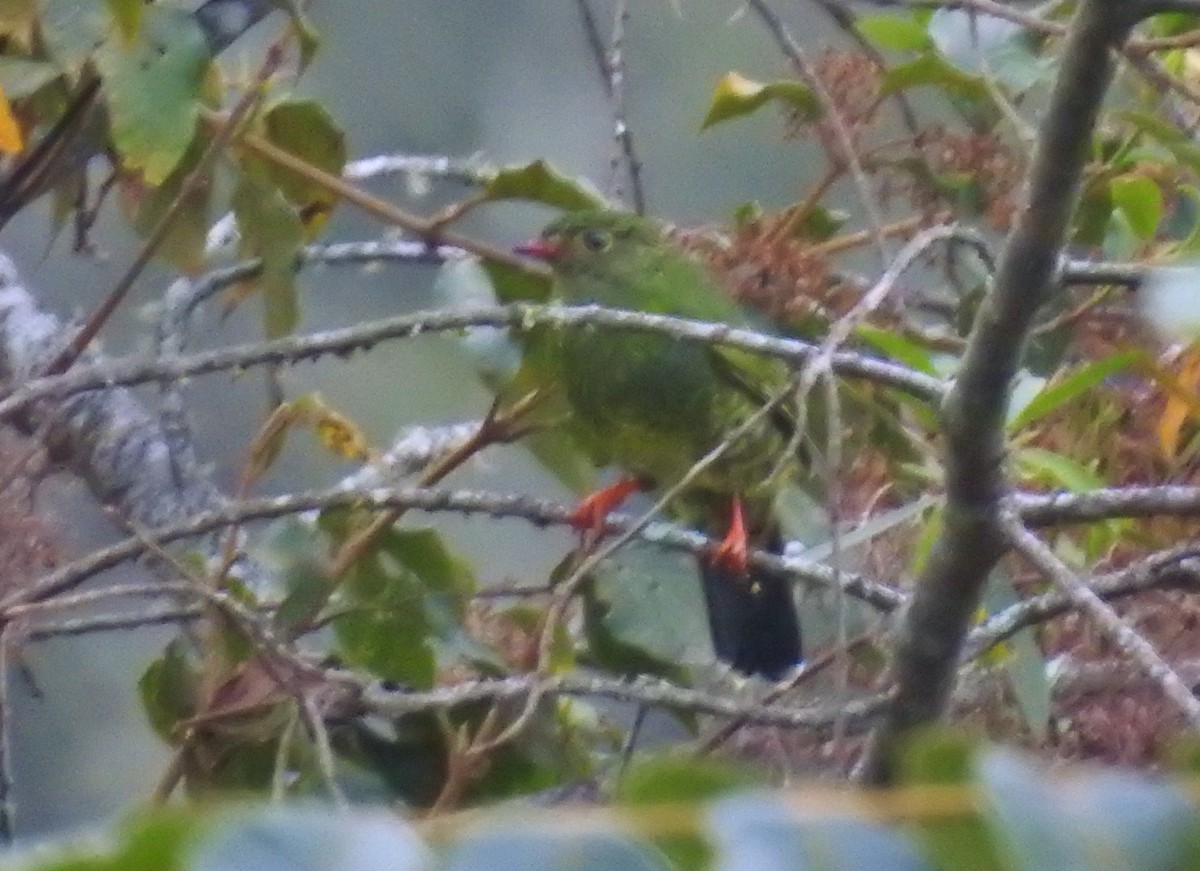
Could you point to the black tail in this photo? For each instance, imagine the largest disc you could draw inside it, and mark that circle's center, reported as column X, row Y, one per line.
column 752, row 619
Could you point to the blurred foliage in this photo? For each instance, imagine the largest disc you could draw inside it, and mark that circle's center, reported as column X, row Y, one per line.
column 999, row 812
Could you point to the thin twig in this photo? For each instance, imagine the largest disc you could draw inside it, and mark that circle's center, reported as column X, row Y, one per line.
column 222, row 136
column 832, row 114
column 614, row 71
column 1104, row 617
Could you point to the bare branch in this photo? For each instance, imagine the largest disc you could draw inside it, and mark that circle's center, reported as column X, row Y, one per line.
column 536, row 511
column 1105, row 618
column 643, row 690
column 518, row 316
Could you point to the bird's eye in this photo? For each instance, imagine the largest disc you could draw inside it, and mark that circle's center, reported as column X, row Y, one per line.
column 595, row 240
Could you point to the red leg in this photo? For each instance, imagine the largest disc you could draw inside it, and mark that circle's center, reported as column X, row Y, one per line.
column 733, row 553
column 591, row 513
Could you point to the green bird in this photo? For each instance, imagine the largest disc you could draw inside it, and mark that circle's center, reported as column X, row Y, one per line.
column 654, row 406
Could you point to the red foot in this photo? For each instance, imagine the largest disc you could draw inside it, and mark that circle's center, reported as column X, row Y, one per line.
column 591, row 513
column 733, row 553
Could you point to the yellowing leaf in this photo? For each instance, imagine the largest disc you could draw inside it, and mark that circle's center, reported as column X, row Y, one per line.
column 128, row 15
column 334, row 430
column 1183, row 399
column 340, row 434
column 305, row 129
column 11, row 140
column 736, row 95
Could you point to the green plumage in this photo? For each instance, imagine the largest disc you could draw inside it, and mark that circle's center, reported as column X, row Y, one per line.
column 654, row 405
column 649, row 403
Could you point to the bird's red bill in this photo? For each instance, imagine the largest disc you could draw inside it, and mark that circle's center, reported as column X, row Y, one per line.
column 540, row 249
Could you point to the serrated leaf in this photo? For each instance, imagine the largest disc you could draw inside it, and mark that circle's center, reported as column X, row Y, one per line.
column 153, row 91
column 541, row 183
column 735, row 96
column 1140, row 201
column 1058, row 393
column 899, row 33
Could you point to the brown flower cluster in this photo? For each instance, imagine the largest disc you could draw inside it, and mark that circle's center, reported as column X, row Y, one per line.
column 989, row 171
column 852, row 80
column 765, row 265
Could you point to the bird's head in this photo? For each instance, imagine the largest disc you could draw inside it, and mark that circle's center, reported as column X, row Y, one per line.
column 596, row 244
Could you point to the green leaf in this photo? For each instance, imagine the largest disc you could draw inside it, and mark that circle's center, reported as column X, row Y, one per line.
column 945, row 756
column 541, row 183
column 158, row 841
column 406, row 593
column 146, row 205
column 898, row 348
column 270, row 229
column 653, row 603
column 1057, row 470
column 1140, row 200
column 675, row 780
column 931, row 70
column 73, row 30
column 1022, row 660
column 387, row 633
column 628, row 640
column 821, row 223
column 304, row 128
column 735, row 96
column 899, row 33
column 1058, row 393
column 168, row 691
column 1093, row 216
column 153, row 91
column 128, row 15
column 308, row 590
